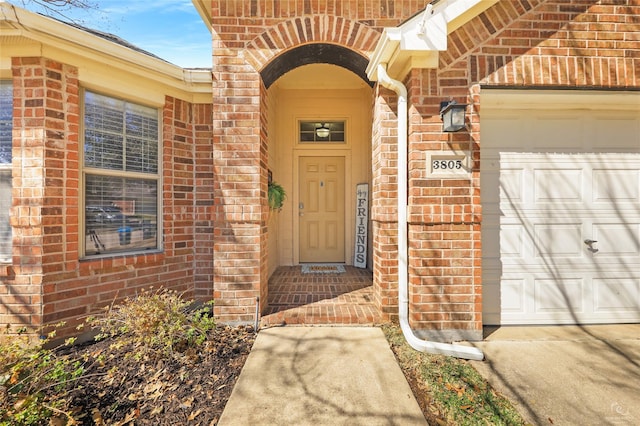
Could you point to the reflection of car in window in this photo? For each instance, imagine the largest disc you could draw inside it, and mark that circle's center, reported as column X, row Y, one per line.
column 105, row 215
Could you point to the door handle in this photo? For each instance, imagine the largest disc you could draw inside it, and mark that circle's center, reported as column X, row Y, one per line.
column 590, row 244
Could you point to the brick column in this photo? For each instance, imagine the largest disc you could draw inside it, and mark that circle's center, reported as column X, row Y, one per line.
column 45, row 186
column 204, row 195
column 240, row 212
column 444, row 219
column 384, row 203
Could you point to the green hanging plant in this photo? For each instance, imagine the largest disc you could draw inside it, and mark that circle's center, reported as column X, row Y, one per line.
column 277, row 195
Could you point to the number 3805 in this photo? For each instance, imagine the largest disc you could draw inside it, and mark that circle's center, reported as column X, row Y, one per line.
column 447, row 164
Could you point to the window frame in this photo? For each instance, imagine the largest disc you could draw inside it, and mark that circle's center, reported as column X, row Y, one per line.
column 96, row 171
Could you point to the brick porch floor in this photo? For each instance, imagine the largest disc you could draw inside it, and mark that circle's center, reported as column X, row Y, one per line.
column 320, row 298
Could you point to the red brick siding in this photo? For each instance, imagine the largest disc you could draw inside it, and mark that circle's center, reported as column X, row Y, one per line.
column 551, row 43
column 42, row 120
column 203, row 188
column 520, row 43
column 516, row 44
column 384, row 205
column 239, row 183
column 47, row 282
column 246, row 36
column 264, row 180
column 444, row 215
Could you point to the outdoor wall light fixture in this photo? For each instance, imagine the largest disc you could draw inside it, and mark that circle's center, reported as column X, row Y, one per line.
column 452, row 114
column 323, row 131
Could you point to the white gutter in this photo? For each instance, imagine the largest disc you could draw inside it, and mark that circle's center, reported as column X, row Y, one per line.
column 458, row 351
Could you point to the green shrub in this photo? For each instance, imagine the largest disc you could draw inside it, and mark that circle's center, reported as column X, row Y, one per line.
column 33, row 380
column 156, row 322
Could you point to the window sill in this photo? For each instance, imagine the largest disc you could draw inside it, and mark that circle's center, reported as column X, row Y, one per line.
column 136, row 253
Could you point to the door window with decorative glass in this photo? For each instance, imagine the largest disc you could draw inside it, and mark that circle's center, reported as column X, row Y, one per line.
column 6, row 126
column 121, row 176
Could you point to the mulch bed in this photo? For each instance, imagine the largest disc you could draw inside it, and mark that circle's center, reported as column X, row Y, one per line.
column 190, row 387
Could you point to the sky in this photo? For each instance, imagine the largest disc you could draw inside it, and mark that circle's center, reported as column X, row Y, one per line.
column 170, row 29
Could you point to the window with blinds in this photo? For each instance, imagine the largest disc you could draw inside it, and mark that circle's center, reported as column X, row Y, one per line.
column 121, row 176
column 6, row 126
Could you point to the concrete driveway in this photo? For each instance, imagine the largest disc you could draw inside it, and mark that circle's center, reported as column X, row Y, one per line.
column 567, row 375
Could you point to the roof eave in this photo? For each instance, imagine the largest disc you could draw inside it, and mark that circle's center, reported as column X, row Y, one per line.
column 416, row 43
column 15, row 21
column 204, row 10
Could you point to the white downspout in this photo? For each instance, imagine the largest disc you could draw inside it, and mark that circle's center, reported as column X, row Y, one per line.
column 459, row 351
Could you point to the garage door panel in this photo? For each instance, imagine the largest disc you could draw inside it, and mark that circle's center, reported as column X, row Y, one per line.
column 555, row 189
column 553, row 185
column 513, row 296
column 617, row 239
column 555, row 241
column 616, row 295
column 512, row 186
column 558, row 240
column 584, row 297
column 614, row 186
column 565, row 296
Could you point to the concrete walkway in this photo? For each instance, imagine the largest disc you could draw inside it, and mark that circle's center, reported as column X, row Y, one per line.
column 321, row 376
column 567, row 375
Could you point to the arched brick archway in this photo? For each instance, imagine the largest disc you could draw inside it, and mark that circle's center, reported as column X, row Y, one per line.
column 295, row 33
column 242, row 73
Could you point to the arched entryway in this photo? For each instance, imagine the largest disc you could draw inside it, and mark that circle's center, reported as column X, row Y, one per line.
column 311, row 89
column 248, row 144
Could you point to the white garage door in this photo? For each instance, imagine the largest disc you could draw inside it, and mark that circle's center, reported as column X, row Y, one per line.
column 561, row 208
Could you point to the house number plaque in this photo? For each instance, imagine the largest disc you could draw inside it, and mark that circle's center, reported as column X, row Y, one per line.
column 447, row 165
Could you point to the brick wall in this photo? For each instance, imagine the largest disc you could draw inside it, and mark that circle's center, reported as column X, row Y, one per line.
column 581, row 43
column 444, row 216
column 203, row 193
column 551, row 44
column 35, row 120
column 384, row 206
column 246, row 36
column 47, row 282
column 220, row 188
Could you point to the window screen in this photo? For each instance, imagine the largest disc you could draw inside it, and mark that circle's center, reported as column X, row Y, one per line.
column 120, row 175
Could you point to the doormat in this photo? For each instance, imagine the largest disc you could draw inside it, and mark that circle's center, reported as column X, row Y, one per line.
column 322, row 268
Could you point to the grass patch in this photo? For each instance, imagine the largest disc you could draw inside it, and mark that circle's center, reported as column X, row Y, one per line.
column 449, row 390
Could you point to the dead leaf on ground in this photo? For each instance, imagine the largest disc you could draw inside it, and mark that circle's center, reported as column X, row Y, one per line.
column 194, row 414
